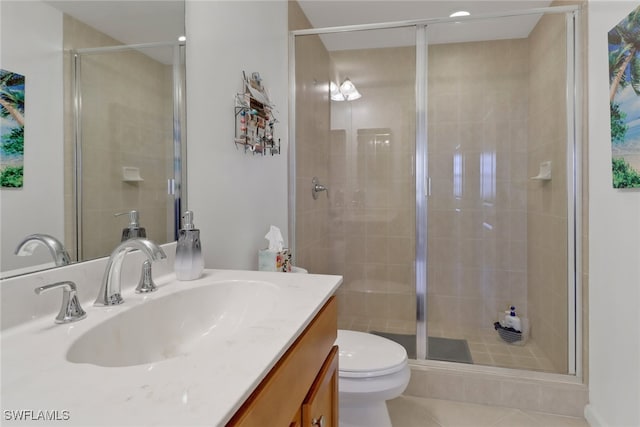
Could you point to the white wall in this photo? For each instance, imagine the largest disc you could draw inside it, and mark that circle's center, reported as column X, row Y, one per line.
column 234, row 196
column 31, row 35
column 614, row 263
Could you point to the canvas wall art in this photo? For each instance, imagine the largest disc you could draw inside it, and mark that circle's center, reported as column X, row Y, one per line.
column 624, row 99
column 11, row 129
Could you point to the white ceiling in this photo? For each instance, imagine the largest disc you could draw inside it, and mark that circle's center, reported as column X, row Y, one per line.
column 330, row 13
column 131, row 21
column 144, row 21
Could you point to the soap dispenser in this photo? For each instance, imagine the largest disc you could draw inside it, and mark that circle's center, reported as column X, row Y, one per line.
column 189, row 262
column 133, row 230
column 511, row 320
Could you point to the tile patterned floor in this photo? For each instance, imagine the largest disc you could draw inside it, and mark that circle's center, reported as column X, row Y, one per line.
column 487, row 348
column 485, row 345
column 407, row 411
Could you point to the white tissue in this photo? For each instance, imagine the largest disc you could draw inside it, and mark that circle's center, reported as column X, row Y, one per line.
column 274, row 236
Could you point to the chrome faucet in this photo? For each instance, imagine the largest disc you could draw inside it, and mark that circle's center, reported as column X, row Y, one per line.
column 58, row 252
column 111, row 281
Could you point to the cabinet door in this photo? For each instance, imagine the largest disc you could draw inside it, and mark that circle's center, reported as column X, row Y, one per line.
column 297, row 420
column 320, row 407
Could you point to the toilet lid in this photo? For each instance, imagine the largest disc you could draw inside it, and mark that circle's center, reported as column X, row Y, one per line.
column 367, row 355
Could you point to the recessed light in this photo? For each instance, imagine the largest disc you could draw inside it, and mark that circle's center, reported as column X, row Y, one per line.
column 459, row 13
column 182, row 39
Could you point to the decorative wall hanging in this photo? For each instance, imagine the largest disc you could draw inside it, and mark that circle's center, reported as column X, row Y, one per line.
column 11, row 129
column 254, row 118
column 624, row 98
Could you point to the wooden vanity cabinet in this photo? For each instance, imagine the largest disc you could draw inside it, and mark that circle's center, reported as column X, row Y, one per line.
column 302, row 389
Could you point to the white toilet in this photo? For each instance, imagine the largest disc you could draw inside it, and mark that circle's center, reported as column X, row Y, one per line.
column 372, row 370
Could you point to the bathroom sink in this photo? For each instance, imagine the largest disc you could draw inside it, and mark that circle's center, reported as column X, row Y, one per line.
column 173, row 325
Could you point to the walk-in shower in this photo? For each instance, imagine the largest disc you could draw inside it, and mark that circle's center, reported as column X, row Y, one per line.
column 437, row 214
column 128, row 142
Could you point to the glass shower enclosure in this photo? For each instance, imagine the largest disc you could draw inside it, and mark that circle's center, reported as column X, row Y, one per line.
column 440, row 214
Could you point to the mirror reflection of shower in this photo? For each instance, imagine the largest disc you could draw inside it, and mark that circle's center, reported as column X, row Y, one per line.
column 129, row 114
column 345, row 92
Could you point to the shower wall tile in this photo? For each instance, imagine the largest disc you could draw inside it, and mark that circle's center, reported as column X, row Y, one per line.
column 546, row 201
column 550, row 395
column 478, row 120
column 373, row 190
column 442, row 386
column 313, row 151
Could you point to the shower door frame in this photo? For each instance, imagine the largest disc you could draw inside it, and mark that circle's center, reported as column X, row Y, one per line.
column 423, row 182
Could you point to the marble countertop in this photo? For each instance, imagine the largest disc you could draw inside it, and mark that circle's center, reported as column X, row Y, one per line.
column 205, row 386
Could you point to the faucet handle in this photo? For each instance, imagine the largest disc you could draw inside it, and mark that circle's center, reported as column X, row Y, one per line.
column 70, row 311
column 316, row 187
column 146, row 284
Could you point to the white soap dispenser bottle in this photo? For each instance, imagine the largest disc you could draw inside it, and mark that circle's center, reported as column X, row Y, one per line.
column 133, row 230
column 511, row 320
column 189, row 262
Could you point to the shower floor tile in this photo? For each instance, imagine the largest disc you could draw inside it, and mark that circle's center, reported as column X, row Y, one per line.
column 488, row 349
column 409, row 411
column 485, row 345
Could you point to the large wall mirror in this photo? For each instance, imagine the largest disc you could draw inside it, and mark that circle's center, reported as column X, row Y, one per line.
column 103, row 124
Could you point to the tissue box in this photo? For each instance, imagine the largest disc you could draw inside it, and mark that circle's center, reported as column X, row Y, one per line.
column 274, row 260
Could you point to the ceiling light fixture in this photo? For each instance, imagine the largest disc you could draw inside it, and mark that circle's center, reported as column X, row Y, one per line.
column 335, row 92
column 346, row 92
column 459, row 13
column 182, row 39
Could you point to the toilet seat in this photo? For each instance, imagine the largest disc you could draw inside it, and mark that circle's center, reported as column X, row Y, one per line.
column 364, row 355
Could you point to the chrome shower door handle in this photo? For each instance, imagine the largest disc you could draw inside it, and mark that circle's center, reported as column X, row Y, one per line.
column 316, row 187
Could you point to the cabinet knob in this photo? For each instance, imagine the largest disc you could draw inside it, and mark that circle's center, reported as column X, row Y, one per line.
column 318, row 422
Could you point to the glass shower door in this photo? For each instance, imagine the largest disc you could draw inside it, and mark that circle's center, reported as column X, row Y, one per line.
column 496, row 236
column 363, row 150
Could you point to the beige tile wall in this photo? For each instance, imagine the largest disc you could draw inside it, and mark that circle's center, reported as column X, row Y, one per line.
column 478, row 114
column 546, row 200
column 127, row 121
column 373, row 189
column 312, row 147
column 363, row 228
column 548, row 393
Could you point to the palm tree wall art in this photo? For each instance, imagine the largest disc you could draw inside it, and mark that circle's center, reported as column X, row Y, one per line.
column 11, row 129
column 624, row 99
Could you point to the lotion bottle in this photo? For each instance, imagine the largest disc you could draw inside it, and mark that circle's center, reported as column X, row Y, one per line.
column 189, row 262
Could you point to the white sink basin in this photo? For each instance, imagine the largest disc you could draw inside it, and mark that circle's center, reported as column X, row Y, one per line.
column 173, row 325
